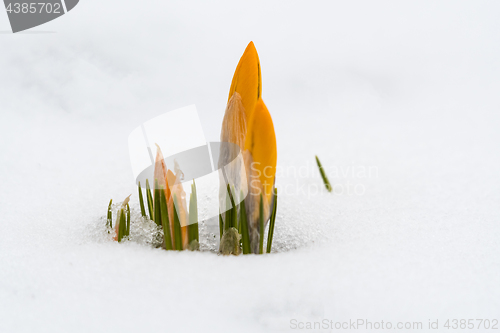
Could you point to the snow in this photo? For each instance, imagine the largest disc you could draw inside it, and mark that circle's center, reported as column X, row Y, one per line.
column 407, row 92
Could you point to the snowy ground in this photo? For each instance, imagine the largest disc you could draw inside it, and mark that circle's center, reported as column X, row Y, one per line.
column 410, row 92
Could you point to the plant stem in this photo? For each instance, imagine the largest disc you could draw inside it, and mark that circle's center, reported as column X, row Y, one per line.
column 323, row 175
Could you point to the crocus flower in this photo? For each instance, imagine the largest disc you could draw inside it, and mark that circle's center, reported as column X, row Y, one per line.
column 248, row 123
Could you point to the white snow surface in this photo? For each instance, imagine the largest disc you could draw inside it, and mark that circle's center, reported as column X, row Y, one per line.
column 408, row 90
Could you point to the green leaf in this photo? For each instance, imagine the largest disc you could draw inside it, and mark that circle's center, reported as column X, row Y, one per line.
column 165, row 221
column 271, row 222
column 244, row 228
column 121, row 225
column 177, row 227
column 323, row 175
column 157, row 208
column 110, row 214
column 141, row 200
column 149, row 197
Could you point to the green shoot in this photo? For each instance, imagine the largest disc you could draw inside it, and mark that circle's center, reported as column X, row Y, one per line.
column 165, row 221
column 271, row 222
column 323, row 175
column 141, row 200
column 177, row 228
column 157, row 208
column 149, row 197
column 121, row 225
column 244, row 228
column 235, row 219
column 110, row 214
column 232, row 213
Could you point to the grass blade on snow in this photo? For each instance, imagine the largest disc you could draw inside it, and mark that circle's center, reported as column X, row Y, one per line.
column 323, row 175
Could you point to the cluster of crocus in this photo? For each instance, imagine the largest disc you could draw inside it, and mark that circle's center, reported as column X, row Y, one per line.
column 167, row 207
column 247, row 182
column 248, row 124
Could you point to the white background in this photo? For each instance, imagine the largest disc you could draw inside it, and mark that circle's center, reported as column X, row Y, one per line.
column 411, row 88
